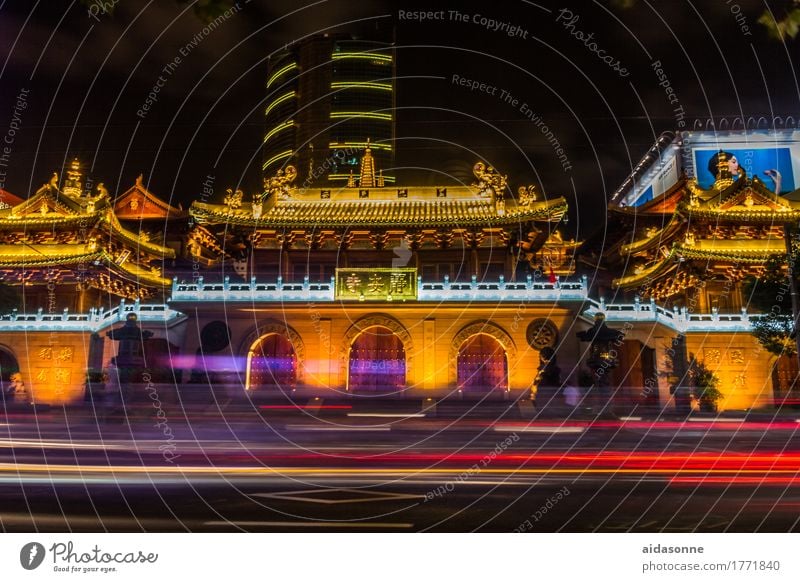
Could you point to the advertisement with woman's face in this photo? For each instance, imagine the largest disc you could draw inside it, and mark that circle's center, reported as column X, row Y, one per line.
column 750, row 162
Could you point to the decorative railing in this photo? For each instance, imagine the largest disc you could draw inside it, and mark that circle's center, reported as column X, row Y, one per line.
column 96, row 320
column 678, row 319
column 474, row 290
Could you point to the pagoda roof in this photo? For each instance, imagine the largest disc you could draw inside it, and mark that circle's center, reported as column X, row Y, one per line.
column 136, row 240
column 659, row 268
column 8, row 200
column 405, row 213
column 750, row 251
column 744, row 201
column 138, row 203
column 56, row 255
column 656, row 237
column 283, row 205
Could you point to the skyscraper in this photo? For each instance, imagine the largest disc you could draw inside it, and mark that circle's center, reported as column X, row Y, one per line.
column 328, row 96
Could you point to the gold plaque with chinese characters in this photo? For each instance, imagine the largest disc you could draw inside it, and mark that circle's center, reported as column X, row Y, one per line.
column 364, row 284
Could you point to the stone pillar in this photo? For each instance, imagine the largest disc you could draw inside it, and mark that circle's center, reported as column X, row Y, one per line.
column 325, row 376
column 429, row 353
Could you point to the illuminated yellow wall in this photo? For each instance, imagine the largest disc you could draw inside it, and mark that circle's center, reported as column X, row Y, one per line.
column 324, row 333
column 53, row 365
column 743, row 367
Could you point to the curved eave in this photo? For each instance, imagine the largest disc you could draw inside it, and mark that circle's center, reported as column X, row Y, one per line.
column 132, row 239
column 45, row 221
column 549, row 211
column 737, row 256
column 35, row 259
column 658, row 238
column 138, row 275
column 744, row 216
column 658, row 269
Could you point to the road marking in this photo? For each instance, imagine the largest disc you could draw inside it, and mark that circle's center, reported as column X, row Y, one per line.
column 387, row 414
column 366, row 496
column 543, row 429
column 316, row 428
column 345, row 524
column 23, row 443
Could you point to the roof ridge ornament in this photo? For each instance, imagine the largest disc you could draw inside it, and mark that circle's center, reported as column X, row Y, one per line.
column 490, row 182
column 366, row 177
column 277, row 186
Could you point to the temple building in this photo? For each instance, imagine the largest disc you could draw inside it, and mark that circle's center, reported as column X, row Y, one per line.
column 445, row 233
column 693, row 247
column 66, row 248
column 369, row 288
column 702, row 213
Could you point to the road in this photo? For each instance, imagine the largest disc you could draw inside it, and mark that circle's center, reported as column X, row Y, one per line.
column 287, row 470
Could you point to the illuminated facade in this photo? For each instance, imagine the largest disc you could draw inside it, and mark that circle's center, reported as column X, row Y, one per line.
column 375, row 289
column 327, row 95
column 704, row 212
column 66, row 248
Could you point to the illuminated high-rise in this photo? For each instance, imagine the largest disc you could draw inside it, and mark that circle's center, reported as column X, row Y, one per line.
column 327, row 96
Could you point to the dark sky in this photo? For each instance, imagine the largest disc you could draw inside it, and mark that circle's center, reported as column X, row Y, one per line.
column 86, row 78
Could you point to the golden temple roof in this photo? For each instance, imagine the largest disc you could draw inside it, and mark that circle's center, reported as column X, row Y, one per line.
column 381, row 213
column 482, row 203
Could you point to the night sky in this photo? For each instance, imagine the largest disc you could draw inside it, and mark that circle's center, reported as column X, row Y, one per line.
column 85, row 79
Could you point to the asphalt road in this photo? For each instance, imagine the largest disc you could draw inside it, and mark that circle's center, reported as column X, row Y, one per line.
column 292, row 471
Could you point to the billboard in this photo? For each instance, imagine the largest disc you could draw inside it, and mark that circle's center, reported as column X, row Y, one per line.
column 657, row 179
column 751, row 153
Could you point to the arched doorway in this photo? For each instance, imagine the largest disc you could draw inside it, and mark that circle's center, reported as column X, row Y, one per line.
column 8, row 366
column 482, row 365
column 272, row 363
column 377, row 362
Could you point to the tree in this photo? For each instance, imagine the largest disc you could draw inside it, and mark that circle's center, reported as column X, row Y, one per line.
column 770, row 295
column 781, row 24
column 705, row 384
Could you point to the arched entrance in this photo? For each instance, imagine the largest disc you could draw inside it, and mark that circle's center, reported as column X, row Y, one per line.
column 482, row 365
column 377, row 361
column 272, row 363
column 8, row 366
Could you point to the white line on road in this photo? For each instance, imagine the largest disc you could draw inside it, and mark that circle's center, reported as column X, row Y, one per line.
column 543, row 429
column 387, row 414
column 313, row 427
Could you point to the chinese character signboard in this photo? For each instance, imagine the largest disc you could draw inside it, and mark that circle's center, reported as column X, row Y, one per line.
column 365, row 284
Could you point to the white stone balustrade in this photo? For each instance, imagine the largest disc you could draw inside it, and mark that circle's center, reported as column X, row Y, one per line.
column 446, row 290
column 678, row 319
column 95, row 320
